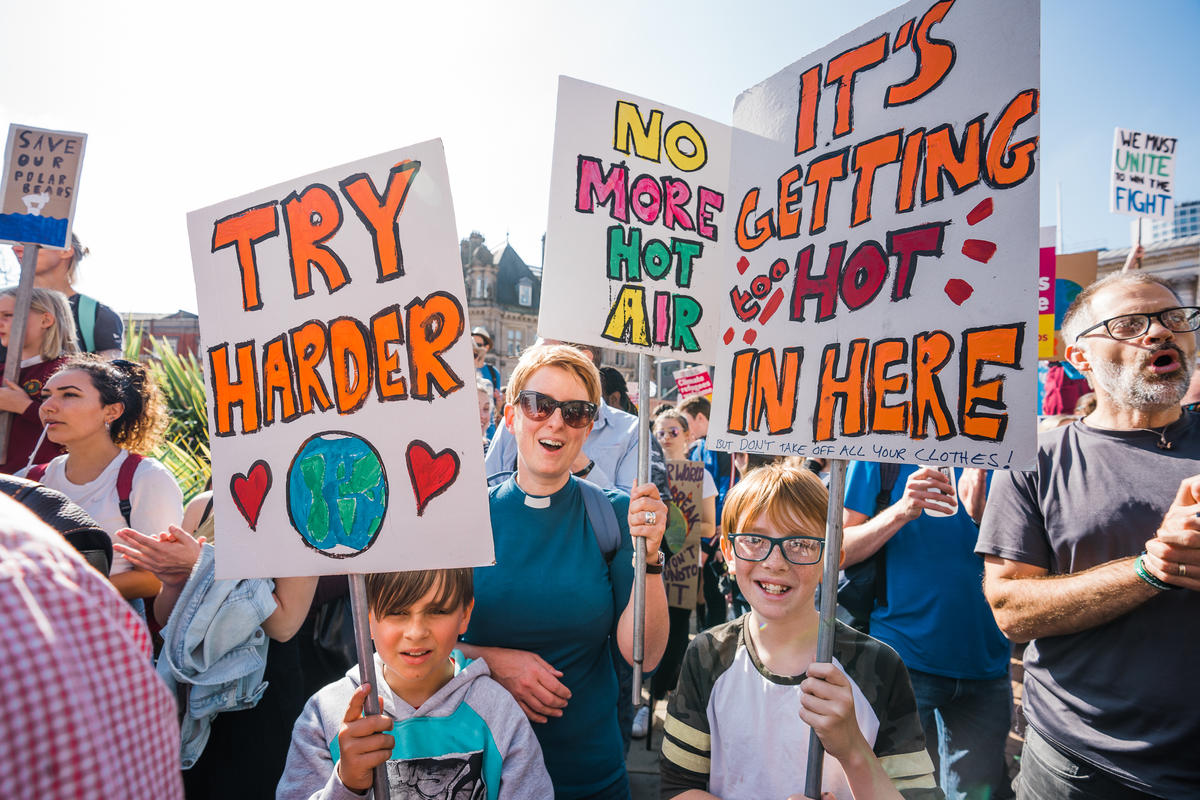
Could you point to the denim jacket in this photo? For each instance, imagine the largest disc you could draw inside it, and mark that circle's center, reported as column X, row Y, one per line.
column 215, row 647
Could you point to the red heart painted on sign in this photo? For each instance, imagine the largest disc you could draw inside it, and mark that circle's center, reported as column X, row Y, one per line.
column 249, row 491
column 431, row 473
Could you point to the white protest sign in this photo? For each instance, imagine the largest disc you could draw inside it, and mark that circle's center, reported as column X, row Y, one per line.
column 1143, row 174
column 637, row 191
column 332, row 314
column 693, row 382
column 40, row 185
column 881, row 301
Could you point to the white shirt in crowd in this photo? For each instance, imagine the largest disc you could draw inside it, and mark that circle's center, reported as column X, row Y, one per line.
column 155, row 498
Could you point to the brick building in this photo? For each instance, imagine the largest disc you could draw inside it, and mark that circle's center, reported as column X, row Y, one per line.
column 503, row 295
column 182, row 329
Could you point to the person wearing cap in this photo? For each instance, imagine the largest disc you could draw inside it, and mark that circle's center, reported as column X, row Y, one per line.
column 98, row 328
column 481, row 345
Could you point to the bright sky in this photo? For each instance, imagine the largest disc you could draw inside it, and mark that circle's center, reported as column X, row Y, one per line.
column 185, row 106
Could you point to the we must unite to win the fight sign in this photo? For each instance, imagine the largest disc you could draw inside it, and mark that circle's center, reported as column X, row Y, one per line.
column 880, row 297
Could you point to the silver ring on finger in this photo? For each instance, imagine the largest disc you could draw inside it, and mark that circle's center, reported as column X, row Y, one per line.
column 1183, row 570
column 651, row 516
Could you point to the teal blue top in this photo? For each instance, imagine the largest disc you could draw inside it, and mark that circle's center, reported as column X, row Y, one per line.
column 552, row 592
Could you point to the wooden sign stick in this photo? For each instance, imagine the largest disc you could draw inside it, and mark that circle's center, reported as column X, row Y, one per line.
column 16, row 336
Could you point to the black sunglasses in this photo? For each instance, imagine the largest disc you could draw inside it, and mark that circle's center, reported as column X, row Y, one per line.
column 538, row 406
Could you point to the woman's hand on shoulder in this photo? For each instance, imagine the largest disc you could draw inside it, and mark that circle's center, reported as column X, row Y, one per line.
column 645, row 503
column 169, row 556
column 530, row 679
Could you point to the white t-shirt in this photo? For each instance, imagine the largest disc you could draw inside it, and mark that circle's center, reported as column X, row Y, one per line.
column 710, row 486
column 155, row 498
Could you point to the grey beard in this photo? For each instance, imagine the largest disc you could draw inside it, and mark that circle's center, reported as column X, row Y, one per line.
column 1128, row 387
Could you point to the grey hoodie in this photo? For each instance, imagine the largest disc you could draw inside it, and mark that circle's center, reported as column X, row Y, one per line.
column 470, row 741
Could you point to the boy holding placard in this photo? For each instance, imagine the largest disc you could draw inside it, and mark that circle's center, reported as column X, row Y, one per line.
column 749, row 692
column 446, row 726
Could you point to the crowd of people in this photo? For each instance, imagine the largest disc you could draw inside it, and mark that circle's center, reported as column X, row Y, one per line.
column 515, row 680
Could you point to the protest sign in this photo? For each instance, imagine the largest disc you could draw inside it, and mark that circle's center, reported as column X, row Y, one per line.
column 637, row 191
column 880, row 298
column 41, row 185
column 332, row 313
column 1073, row 272
column 1143, row 174
column 1046, row 293
column 682, row 572
column 693, row 382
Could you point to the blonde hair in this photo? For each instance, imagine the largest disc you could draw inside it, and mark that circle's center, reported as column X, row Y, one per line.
column 562, row 356
column 784, row 493
column 59, row 339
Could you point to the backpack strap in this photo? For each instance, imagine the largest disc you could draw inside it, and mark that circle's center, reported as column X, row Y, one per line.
column 87, row 322
column 497, row 478
column 36, row 472
column 602, row 518
column 125, row 484
column 888, row 473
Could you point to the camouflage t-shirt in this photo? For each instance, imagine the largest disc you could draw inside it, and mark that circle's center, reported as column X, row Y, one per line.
column 733, row 727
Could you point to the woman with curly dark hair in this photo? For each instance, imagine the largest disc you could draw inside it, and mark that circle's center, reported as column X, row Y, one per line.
column 107, row 414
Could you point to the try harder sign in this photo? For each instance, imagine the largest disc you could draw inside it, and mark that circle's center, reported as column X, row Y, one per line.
column 332, row 318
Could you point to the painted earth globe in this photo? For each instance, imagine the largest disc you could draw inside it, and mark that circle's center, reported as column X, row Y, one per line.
column 337, row 493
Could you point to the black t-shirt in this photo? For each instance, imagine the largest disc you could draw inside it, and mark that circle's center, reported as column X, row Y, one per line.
column 1119, row 695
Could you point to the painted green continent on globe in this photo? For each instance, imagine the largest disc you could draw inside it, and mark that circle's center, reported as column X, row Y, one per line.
column 677, row 527
column 337, row 493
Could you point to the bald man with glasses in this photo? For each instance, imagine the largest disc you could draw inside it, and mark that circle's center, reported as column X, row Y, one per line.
column 1094, row 559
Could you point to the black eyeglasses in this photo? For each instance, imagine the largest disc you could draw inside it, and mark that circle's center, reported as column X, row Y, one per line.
column 799, row 550
column 664, row 433
column 538, row 406
column 1131, row 326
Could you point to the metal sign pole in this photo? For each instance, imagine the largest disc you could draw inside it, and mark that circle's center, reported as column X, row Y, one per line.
column 16, row 335
column 639, row 544
column 829, row 585
column 366, row 666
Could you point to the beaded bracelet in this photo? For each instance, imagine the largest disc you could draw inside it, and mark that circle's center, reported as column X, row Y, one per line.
column 1147, row 576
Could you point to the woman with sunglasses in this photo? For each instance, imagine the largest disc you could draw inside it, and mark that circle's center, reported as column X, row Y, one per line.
column 103, row 413
column 544, row 614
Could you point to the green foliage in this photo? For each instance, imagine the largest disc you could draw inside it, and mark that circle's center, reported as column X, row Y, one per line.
column 184, row 450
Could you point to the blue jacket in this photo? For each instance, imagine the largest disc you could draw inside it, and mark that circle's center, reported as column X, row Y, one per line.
column 215, row 647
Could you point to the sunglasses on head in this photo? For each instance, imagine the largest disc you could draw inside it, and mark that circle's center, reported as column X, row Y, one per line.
column 538, row 406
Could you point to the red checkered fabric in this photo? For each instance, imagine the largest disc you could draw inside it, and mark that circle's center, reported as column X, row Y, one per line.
column 82, row 714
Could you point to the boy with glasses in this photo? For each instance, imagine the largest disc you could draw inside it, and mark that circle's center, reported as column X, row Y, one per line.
column 749, row 694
